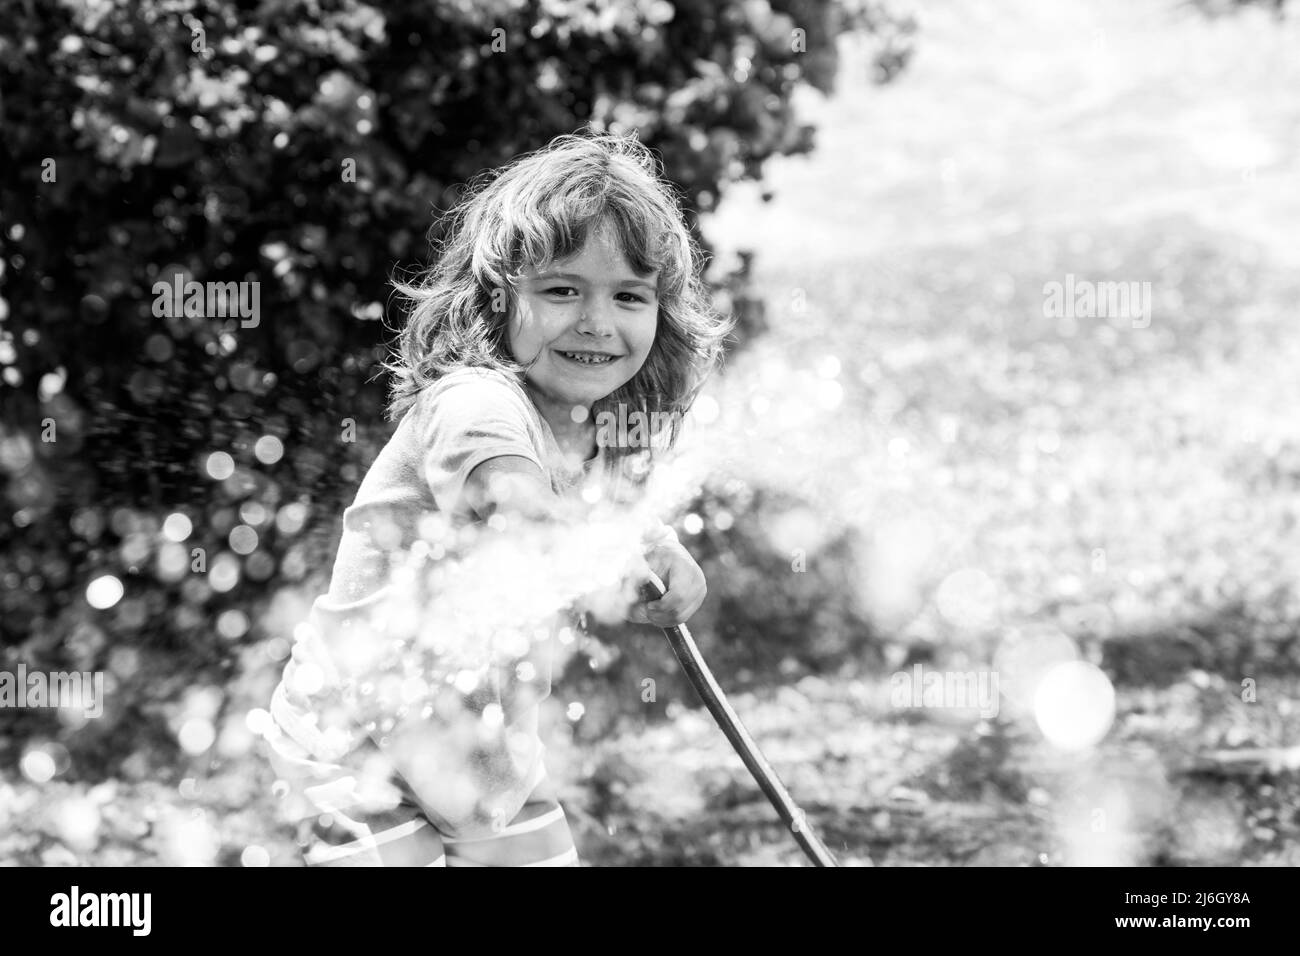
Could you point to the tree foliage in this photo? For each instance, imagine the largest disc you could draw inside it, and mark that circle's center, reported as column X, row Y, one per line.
column 307, row 147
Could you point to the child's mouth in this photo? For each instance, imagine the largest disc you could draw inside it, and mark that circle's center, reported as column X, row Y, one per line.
column 587, row 358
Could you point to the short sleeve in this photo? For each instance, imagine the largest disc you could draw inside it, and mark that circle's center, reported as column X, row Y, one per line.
column 464, row 420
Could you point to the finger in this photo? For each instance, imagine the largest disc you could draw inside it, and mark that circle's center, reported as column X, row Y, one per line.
column 666, row 613
column 685, row 603
column 646, row 612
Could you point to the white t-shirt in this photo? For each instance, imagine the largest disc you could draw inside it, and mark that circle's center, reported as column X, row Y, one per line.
column 462, row 420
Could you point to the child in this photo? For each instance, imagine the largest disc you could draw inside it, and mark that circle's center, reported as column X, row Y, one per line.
column 567, row 289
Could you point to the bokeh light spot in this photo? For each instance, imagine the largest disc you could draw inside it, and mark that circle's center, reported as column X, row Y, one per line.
column 219, row 465
column 177, row 527
column 103, row 592
column 1074, row 705
column 255, row 856
column 268, row 449
column 38, row 765
column 196, row 735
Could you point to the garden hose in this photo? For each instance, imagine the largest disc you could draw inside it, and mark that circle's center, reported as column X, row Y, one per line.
column 697, row 672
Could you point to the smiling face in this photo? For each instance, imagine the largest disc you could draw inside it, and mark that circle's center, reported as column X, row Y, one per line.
column 589, row 321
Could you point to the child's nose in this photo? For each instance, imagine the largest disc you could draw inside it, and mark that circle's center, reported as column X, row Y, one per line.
column 596, row 319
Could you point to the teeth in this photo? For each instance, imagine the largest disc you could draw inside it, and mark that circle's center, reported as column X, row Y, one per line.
column 588, row 359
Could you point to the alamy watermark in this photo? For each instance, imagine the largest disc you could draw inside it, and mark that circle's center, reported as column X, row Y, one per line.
column 214, row 300
column 130, row 910
column 73, row 690
column 1084, row 299
column 955, row 690
column 632, row 429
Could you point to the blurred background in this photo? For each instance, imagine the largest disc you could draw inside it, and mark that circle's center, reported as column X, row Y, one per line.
column 916, row 462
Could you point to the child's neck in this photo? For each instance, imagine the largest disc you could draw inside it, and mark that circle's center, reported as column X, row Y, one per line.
column 574, row 438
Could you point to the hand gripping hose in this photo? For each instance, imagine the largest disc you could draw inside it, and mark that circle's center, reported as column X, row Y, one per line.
column 697, row 672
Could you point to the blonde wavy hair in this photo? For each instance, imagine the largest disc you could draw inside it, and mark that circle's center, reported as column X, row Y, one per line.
column 540, row 208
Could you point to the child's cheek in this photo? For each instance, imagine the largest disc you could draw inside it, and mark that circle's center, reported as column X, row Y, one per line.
column 648, row 340
column 516, row 327
column 528, row 333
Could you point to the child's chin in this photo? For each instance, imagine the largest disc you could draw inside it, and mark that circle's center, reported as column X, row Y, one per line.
column 588, row 393
column 597, row 391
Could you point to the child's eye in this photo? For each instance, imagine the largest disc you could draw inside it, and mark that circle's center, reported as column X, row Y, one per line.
column 634, row 297
column 562, row 291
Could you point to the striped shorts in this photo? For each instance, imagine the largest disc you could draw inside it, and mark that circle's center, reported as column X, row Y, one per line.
column 339, row 826
column 538, row 836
